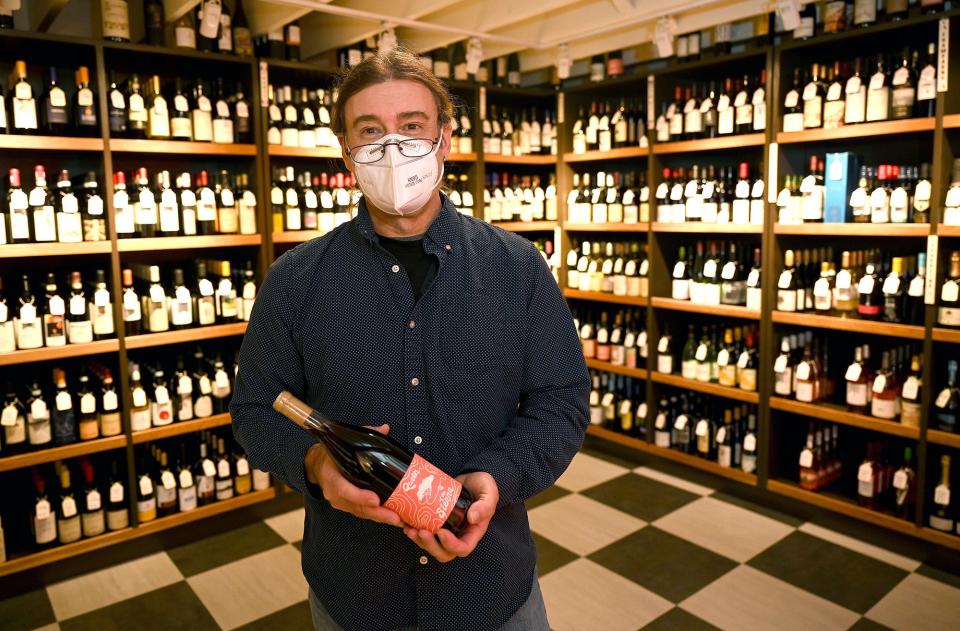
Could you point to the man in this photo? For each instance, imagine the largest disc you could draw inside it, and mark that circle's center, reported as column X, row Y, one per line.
column 450, row 333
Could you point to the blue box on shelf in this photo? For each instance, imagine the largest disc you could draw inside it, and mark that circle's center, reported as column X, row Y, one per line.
column 841, row 172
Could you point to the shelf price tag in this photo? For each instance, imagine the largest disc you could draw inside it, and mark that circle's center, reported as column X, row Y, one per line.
column 663, row 38
column 930, row 291
column 943, row 55
column 789, row 11
column 651, row 102
column 264, row 85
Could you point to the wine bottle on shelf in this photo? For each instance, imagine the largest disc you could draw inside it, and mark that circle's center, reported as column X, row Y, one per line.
column 43, row 524
column 137, row 116
column 55, row 116
column 67, row 211
column 140, row 413
column 946, row 407
column 68, row 514
column 166, row 486
column 910, row 396
column 187, row 496
column 118, row 515
column 208, row 25
column 155, row 302
column 22, row 102
column 27, row 327
column 94, row 223
column 18, row 208
column 54, row 315
column 116, row 20
column 904, row 484
column 14, row 422
column 948, row 311
column 942, row 512
column 161, row 404
column 223, row 483
column 205, row 473
column 84, row 105
column 158, row 115
column 92, row 513
column 79, row 324
column 63, row 419
column 203, row 388
column 146, row 493
column 42, row 204
column 110, row 421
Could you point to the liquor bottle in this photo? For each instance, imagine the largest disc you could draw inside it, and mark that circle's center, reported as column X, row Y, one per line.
column 357, row 450
column 946, row 407
column 223, row 483
column 205, row 301
column 878, row 92
column 858, row 386
column 242, row 36
column 94, row 222
column 92, row 513
column 223, row 128
column 243, row 478
column 43, row 524
column 67, row 211
column 910, row 396
column 154, row 21
column 291, row 40
column 226, row 295
column 948, row 311
column 208, row 25
column 787, row 284
column 137, row 115
column 166, row 486
column 206, row 206
column 187, row 496
column 205, row 473
column 116, row 109
column 188, row 204
column 146, row 493
column 927, row 84
column 84, row 105
column 132, row 312
column 110, row 423
column 118, row 516
column 228, row 213
column 793, row 108
column 140, row 414
column 203, row 399
column 884, row 402
column 13, row 421
column 225, row 39
column 68, row 515
column 942, row 513
column 42, row 204
column 158, row 116
column 221, row 387
column 55, row 117
column 63, row 418
column 748, row 460
column 18, row 208
column 813, row 94
column 161, row 405
column 871, row 293
column 181, row 125
column 904, row 484
column 904, row 93
column 22, row 102
column 855, row 106
column 54, row 315
column 116, row 20
column 155, row 302
column 182, row 386
column 79, row 324
column 894, row 292
column 201, row 113
column 28, row 328
column 125, row 215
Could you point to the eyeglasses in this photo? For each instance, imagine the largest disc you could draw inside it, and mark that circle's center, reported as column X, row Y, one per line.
column 410, row 148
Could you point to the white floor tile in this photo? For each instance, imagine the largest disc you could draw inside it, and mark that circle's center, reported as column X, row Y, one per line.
column 919, row 602
column 582, row 525
column 680, row 483
column 857, row 545
column 724, row 528
column 251, row 588
column 105, row 587
column 587, row 471
column 288, row 525
column 583, row 595
column 746, row 598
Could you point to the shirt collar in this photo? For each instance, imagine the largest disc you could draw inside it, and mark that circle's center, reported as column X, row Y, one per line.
column 440, row 236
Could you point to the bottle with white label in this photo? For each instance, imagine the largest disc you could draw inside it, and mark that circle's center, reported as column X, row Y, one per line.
column 93, row 219
column 226, row 294
column 885, row 399
column 88, row 424
column 161, row 403
column 92, row 512
column 904, row 484
column 180, row 303
column 118, row 512
column 54, row 315
column 42, row 204
column 927, row 83
column 204, row 295
column 878, row 93
column 27, row 323
column 869, row 477
column 186, row 485
column 79, row 323
column 205, row 473
column 665, row 353
column 942, row 511
column 110, row 419
column 44, row 520
column 202, row 387
column 243, row 476
column 223, row 128
column 748, row 461
column 140, row 413
column 67, row 208
column 247, row 204
column 221, row 386
column 154, row 302
column 146, row 492
column 911, row 409
column 13, row 421
column 124, row 209
column 946, row 407
column 224, row 480
column 68, row 511
column 168, row 209
column 166, row 486
column 948, row 309
column 158, row 115
column 23, row 105
column 858, row 384
column 8, row 337
column 20, row 226
column 248, row 292
column 63, row 418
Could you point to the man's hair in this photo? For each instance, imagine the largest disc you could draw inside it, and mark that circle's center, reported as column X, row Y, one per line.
column 396, row 65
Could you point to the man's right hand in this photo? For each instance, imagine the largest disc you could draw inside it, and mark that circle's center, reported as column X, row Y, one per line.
column 343, row 494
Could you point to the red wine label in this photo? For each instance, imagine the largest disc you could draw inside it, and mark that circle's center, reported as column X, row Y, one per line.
column 425, row 496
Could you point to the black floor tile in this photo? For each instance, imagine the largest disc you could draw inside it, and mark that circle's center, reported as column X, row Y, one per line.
column 766, row 511
column 939, row 575
column 677, row 619
column 298, row 545
column 553, row 493
column 167, row 609
column 664, row 564
column 26, row 611
column 295, row 617
column 551, row 556
column 840, row 575
column 863, row 624
column 610, row 457
column 640, row 496
column 232, row 545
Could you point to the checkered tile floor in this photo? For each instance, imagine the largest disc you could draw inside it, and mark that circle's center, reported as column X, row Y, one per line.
column 620, row 547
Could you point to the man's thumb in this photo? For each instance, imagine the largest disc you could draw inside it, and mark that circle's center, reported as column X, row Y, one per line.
column 383, row 429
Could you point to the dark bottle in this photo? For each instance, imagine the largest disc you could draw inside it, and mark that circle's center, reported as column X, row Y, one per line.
column 116, row 108
column 242, row 37
column 136, row 109
column 153, row 21
column 63, row 418
column 291, row 38
column 85, row 105
column 208, row 25
column 56, row 116
column 374, row 461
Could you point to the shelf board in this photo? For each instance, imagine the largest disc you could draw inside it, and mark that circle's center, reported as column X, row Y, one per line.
column 110, row 538
column 709, row 228
column 296, row 236
column 942, row 538
column 187, row 243
column 636, row 373
column 635, row 301
column 855, row 229
column 946, row 335
column 126, row 145
column 535, row 160
column 944, row 230
column 182, row 427
column 707, row 388
column 863, row 130
column 300, row 65
column 171, row 51
column 729, row 311
column 943, row 438
column 605, row 227
column 64, row 452
column 836, row 414
column 48, row 353
column 526, row 226
column 26, row 250
column 614, row 154
column 740, row 141
column 687, row 459
column 951, row 121
column 462, row 157
column 304, row 152
column 856, row 325
column 49, row 143
column 186, row 335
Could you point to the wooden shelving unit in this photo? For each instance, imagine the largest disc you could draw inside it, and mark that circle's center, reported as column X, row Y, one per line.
column 863, row 130
column 49, row 143
column 52, row 353
column 605, row 227
column 943, row 438
column 854, row 229
column 951, row 121
column 944, row 230
column 526, row 226
column 304, row 152
column 28, row 250
column 836, row 414
column 946, row 335
column 177, row 147
column 742, row 141
column 462, row 157
column 622, row 153
column 727, row 311
column 83, row 448
column 708, row 228
column 855, row 325
column 179, row 428
column 296, row 236
column 186, row 335
column 188, row 243
column 533, row 160
column 636, row 373
column 633, row 301
column 707, row 388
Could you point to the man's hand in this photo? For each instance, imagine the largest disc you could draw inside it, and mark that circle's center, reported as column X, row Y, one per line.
column 446, row 546
column 343, row 494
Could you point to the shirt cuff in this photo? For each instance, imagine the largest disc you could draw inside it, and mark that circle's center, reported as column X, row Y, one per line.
column 293, row 463
column 506, row 474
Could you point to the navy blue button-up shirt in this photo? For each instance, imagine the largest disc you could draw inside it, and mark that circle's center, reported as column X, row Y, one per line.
column 483, row 373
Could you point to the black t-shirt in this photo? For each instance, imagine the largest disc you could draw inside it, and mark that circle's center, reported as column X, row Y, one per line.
column 420, row 266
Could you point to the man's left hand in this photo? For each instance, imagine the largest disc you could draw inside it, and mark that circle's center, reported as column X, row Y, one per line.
column 446, row 546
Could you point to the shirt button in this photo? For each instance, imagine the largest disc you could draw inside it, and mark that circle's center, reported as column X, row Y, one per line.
column 413, row 323
column 418, row 440
column 415, row 381
column 423, row 560
column 395, row 268
column 448, row 247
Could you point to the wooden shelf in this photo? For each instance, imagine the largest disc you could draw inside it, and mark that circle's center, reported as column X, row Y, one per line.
column 535, row 160
column 82, row 448
column 946, row 335
column 157, row 525
column 943, row 438
column 863, row 130
column 302, row 66
column 951, row 121
column 27, row 250
column 668, row 454
column 709, row 228
column 49, row 143
column 635, row 301
column 186, row 54
column 188, row 243
column 605, row 227
column 186, row 335
column 182, row 427
column 48, row 353
column 729, row 311
column 296, row 236
column 526, row 226
column 304, row 152
column 944, row 230
column 614, row 154
column 836, row 414
column 855, row 229
column 939, row 537
column 177, row 147
column 636, row 373
column 707, row 388
column 462, row 157
column 856, row 325
column 741, row 141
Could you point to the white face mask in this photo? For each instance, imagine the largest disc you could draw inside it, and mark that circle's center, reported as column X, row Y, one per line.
column 396, row 184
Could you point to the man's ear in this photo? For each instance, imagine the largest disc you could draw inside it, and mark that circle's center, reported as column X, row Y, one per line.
column 445, row 140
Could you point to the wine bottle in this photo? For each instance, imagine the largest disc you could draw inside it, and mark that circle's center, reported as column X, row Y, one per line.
column 13, row 421
column 374, row 461
column 941, row 517
column 223, row 484
column 63, row 418
column 110, row 422
column 92, row 514
column 118, row 516
column 166, row 487
column 68, row 515
column 947, row 403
